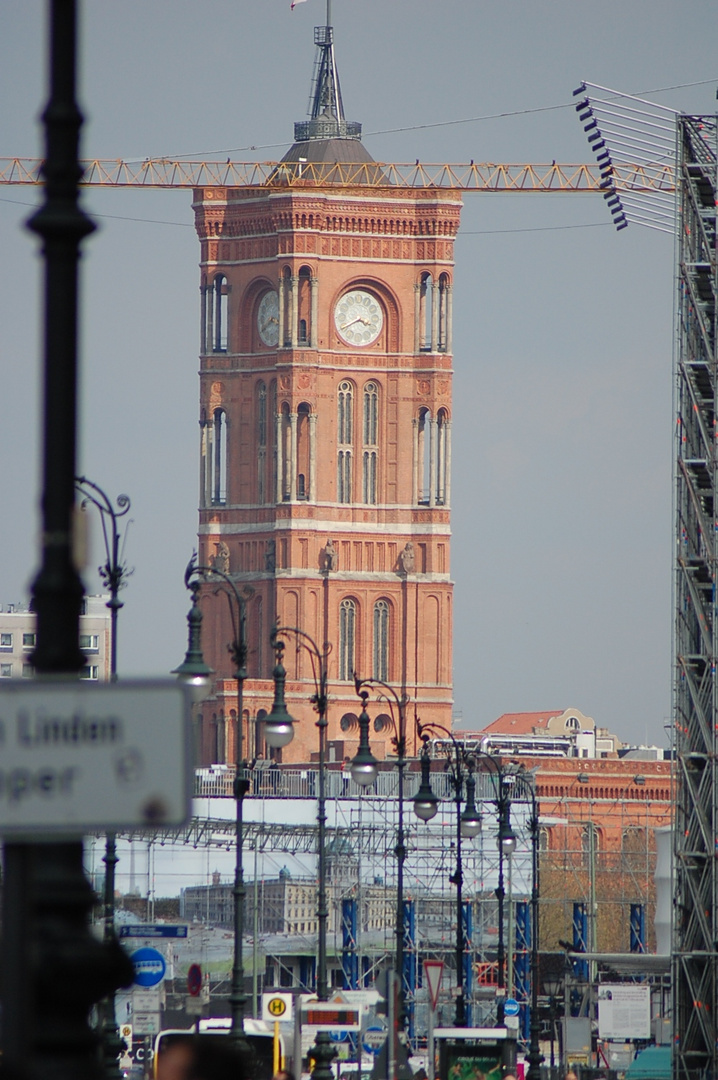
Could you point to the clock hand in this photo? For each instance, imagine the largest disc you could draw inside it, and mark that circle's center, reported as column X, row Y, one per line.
column 347, row 325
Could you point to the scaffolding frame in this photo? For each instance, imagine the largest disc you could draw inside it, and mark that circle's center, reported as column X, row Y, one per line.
column 695, row 949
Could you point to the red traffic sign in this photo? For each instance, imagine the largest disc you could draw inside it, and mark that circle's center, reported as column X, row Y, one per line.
column 433, row 969
column 194, row 980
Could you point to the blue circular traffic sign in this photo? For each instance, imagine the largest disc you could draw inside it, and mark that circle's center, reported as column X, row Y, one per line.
column 511, row 1007
column 373, row 1039
column 149, row 965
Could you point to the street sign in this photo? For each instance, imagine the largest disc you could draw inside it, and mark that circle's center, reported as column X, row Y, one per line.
column 194, row 980
column 433, row 969
column 153, row 930
column 373, row 1039
column 325, row 1016
column 146, row 999
column 511, row 1007
column 146, row 1023
column 126, row 1034
column 277, row 1006
column 150, row 969
column 77, row 758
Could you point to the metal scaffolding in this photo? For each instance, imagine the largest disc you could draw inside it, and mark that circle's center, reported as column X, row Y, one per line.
column 695, row 964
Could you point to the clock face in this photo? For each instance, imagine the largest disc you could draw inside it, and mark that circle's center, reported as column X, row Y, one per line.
column 358, row 317
column 268, row 318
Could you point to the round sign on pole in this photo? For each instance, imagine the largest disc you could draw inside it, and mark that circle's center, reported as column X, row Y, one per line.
column 149, row 966
column 194, row 980
column 373, row 1039
column 511, row 1007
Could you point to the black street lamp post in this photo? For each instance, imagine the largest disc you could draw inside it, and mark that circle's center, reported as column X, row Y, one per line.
column 279, row 732
column 534, row 1056
column 504, row 781
column 113, row 574
column 468, row 824
column 194, row 670
column 359, row 775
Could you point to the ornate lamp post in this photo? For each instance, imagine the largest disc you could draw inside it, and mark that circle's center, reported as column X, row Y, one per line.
column 196, row 672
column 279, row 732
column 363, row 777
column 468, row 825
column 113, row 574
column 534, row 1056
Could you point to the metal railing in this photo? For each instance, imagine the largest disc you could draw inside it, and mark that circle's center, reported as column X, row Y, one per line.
column 274, row 783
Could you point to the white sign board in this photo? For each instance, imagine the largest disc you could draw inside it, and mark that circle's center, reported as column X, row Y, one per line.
column 277, row 1006
column 76, row 758
column 146, row 1023
column 624, row 1011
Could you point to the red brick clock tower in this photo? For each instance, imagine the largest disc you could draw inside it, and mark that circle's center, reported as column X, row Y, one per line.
column 325, row 417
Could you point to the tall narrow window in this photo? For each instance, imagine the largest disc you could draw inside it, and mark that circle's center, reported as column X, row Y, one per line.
column 426, row 299
column 219, row 458
column 344, row 410
column 381, row 640
column 347, row 639
column 424, row 456
column 219, row 336
column 370, row 428
column 345, row 431
column 442, row 462
column 371, row 413
column 443, row 334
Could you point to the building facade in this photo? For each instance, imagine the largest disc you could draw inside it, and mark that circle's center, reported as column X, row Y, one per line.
column 325, row 417
column 17, row 640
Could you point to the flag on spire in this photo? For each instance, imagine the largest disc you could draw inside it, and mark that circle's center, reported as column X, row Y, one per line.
column 295, row 2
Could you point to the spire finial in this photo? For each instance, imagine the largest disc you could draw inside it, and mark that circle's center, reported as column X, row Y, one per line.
column 325, row 102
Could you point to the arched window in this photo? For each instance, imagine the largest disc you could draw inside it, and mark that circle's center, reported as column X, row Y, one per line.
column 442, row 457
column 370, row 427
column 347, row 639
column 345, row 402
column 217, row 458
column 216, row 318
column 371, row 413
column 381, row 640
column 345, row 435
column 443, row 330
column 426, row 301
column 424, row 457
column 303, row 450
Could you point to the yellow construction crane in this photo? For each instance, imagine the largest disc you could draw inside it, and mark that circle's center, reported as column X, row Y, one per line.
column 481, row 176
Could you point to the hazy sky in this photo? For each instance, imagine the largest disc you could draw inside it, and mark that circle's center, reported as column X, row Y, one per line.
column 563, row 415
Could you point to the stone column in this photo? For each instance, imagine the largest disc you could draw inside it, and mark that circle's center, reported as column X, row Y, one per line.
column 203, row 320
column 282, row 293
column 417, row 317
column 432, row 462
column 313, row 329
column 447, row 464
column 293, row 457
column 435, row 317
column 293, row 285
column 415, row 462
column 449, row 319
column 279, row 452
column 209, row 341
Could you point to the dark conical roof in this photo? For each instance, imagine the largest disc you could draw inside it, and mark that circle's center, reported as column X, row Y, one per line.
column 327, row 138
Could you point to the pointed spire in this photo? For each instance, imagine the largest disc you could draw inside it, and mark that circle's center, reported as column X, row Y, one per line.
column 325, row 104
